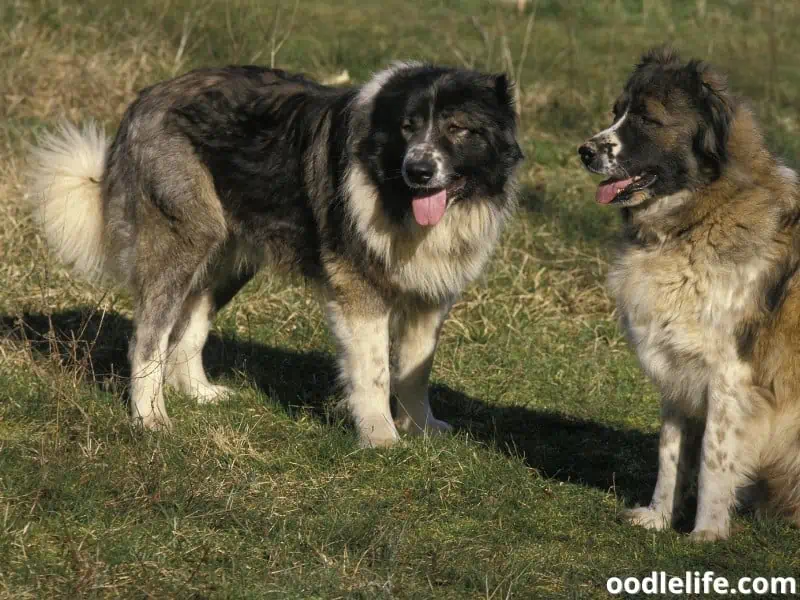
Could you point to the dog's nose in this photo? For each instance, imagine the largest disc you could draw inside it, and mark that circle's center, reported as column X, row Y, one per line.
column 420, row 172
column 588, row 153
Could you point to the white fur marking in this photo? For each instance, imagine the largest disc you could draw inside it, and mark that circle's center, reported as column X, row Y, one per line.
column 727, row 463
column 371, row 89
column 790, row 175
column 424, row 150
column 609, row 136
column 612, row 131
column 666, row 496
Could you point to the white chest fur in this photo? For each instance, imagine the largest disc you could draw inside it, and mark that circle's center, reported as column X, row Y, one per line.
column 680, row 309
column 438, row 262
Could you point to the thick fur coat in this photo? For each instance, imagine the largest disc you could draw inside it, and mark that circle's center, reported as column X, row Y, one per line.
column 707, row 289
column 389, row 197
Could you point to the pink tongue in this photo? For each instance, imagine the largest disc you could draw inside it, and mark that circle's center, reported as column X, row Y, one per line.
column 606, row 192
column 428, row 210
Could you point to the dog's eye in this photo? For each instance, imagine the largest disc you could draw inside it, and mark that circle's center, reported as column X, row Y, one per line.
column 456, row 129
column 407, row 127
column 651, row 120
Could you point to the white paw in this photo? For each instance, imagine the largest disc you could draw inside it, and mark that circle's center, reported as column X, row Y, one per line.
column 698, row 536
column 377, row 432
column 210, row 394
column 647, row 517
column 155, row 421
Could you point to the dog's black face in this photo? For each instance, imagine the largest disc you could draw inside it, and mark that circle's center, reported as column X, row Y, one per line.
column 439, row 136
column 670, row 132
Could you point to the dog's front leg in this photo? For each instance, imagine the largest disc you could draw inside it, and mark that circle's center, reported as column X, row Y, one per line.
column 677, row 455
column 416, row 333
column 737, row 426
column 361, row 328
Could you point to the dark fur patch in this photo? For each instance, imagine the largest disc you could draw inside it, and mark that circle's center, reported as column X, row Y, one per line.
column 244, row 131
column 790, row 218
column 746, row 334
column 776, row 291
column 711, row 98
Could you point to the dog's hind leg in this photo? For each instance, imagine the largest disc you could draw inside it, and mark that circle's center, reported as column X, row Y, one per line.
column 171, row 324
column 185, row 369
column 179, row 227
column 416, row 332
column 156, row 315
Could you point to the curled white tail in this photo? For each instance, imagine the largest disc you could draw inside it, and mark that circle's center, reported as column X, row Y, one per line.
column 65, row 170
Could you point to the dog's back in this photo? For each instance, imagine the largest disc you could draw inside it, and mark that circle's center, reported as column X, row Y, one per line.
column 227, row 153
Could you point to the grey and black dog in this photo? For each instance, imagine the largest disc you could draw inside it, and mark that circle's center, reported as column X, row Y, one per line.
column 390, row 197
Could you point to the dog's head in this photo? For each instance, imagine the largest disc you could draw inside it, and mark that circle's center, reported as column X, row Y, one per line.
column 670, row 132
column 437, row 136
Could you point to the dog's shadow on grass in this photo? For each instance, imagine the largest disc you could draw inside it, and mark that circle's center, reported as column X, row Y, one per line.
column 558, row 447
column 98, row 343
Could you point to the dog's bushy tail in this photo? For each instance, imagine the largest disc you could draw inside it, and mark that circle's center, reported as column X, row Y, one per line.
column 64, row 174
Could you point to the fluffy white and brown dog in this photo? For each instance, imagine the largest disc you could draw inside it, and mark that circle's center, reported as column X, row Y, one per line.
column 707, row 288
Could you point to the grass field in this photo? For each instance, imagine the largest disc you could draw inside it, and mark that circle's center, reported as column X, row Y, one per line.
column 267, row 494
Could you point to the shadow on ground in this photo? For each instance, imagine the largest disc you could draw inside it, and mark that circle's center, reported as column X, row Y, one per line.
column 557, row 446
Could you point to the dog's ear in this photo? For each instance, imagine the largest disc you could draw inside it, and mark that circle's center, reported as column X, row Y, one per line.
column 717, row 112
column 661, row 55
column 504, row 88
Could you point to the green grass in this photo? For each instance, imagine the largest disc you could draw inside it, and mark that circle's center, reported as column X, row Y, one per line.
column 267, row 495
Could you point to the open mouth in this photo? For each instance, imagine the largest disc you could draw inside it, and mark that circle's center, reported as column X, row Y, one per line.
column 615, row 191
column 429, row 205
